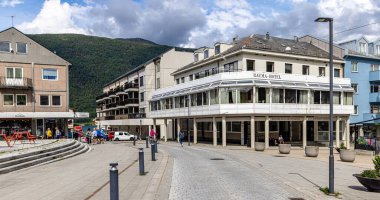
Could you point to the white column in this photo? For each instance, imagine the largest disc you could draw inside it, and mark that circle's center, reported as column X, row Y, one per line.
column 214, row 133
column 304, row 134
column 252, row 132
column 154, row 125
column 348, row 133
column 224, row 130
column 165, row 129
column 337, row 136
column 361, row 133
column 242, row 133
column 150, row 128
column 266, row 132
column 195, row 130
column 178, row 128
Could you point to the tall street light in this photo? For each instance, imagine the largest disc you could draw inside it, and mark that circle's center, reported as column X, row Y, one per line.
column 331, row 157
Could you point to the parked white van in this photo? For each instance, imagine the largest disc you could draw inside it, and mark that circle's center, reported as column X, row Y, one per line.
column 121, row 135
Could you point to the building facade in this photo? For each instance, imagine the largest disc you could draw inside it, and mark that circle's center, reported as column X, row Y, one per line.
column 34, row 86
column 124, row 104
column 254, row 90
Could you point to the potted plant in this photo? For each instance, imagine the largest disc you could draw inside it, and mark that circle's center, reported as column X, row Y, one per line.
column 259, row 146
column 340, row 147
column 284, row 148
column 345, row 154
column 311, row 151
column 371, row 178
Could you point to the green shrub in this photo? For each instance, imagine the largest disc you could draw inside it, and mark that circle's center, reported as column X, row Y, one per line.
column 370, row 174
column 361, row 140
column 342, row 146
column 376, row 162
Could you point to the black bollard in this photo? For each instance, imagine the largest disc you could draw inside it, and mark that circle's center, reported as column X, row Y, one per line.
column 156, row 146
column 153, row 149
column 134, row 141
column 147, row 142
column 141, row 160
column 114, row 182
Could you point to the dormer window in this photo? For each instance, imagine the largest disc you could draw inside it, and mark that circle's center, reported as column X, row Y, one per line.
column 196, row 58
column 206, row 53
column 5, row 47
column 362, row 48
column 217, row 49
column 21, row 47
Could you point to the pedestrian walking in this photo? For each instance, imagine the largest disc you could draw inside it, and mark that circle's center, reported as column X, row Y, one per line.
column 93, row 136
column 49, row 134
column 152, row 135
column 57, row 133
column 180, row 137
column 88, row 136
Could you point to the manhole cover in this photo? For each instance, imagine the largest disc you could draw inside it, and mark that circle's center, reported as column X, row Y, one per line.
column 217, row 159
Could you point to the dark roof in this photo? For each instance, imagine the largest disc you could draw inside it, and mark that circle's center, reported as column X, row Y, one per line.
column 273, row 44
column 352, row 53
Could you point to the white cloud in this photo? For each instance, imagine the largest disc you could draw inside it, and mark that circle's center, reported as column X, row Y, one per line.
column 57, row 17
column 10, row 3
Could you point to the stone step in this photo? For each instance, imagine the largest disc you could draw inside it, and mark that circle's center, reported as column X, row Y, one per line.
column 77, row 149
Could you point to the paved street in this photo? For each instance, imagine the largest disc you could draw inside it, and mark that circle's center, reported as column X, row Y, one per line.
column 246, row 174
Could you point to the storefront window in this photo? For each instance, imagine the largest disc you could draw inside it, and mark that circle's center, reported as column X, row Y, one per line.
column 278, row 96
column 244, row 95
column 262, row 95
column 214, row 96
column 323, row 131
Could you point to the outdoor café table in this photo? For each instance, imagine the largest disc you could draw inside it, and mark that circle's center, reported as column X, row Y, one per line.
column 20, row 136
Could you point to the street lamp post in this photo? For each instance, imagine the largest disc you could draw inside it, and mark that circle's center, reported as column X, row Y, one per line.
column 331, row 146
column 188, row 115
column 140, row 131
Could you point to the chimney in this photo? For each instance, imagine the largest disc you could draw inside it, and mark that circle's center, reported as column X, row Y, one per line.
column 235, row 39
column 295, row 38
column 267, row 36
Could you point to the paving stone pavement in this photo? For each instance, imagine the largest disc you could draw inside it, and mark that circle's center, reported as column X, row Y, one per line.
column 196, row 176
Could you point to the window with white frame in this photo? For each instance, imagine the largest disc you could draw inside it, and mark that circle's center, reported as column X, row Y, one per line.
column 375, row 88
column 231, row 67
column 356, row 109
column 158, row 83
column 336, row 73
column 362, row 48
column 141, row 81
column 50, row 74
column 196, row 57
column 14, row 72
column 250, row 65
column 375, row 67
column 44, row 100
column 270, row 66
column 217, row 49
column 8, row 99
column 182, row 79
column 206, row 53
column 21, row 99
column 288, row 68
column 21, row 48
column 354, row 66
column 322, row 71
column 305, row 69
column 141, row 96
column 56, row 100
column 5, row 46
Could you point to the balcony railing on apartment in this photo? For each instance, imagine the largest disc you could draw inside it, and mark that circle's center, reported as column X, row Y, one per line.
column 213, row 72
column 130, row 85
column 6, row 82
column 136, row 115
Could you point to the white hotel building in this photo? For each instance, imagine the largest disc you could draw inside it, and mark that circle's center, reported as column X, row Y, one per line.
column 254, row 90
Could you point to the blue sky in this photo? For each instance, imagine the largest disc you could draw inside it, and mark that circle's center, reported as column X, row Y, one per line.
column 191, row 23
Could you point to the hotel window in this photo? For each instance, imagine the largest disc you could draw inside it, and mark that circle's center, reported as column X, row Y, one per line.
column 14, row 72
column 245, row 95
column 191, row 77
column 348, row 98
column 231, row 67
column 356, row 109
column 214, row 96
column 158, row 66
column 196, row 76
column 336, row 98
column 227, row 96
column 374, row 67
column 288, row 68
column 193, row 99
column 207, row 72
column 158, row 83
column 206, row 54
column 375, row 88
column 336, row 73
column 49, row 74
column 354, row 66
column 262, row 95
column 56, row 100
column 21, row 48
column 176, row 102
column 177, row 81
column 270, row 66
column 302, row 96
column 21, row 99
column 5, row 47
column 182, row 79
column 141, row 97
column 196, row 58
column 44, row 100
column 305, row 69
column 322, row 71
column 316, row 95
column 325, row 97
column 250, row 65
column 290, row 96
column 355, row 87
column 8, row 99
column 277, row 95
column 362, row 48
column 141, row 81
column 217, row 49
column 204, row 98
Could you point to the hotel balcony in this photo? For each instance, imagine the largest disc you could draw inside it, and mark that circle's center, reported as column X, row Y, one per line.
column 16, row 83
column 374, row 97
column 374, row 76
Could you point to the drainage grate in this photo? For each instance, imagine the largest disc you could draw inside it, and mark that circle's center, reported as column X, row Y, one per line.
column 217, row 159
column 290, row 198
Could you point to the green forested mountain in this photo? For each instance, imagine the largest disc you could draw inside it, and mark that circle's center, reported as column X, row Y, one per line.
column 96, row 61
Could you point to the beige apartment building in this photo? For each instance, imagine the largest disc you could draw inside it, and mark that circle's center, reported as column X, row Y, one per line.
column 34, row 86
column 124, row 104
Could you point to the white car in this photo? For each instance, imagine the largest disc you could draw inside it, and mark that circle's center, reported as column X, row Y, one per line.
column 121, row 135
